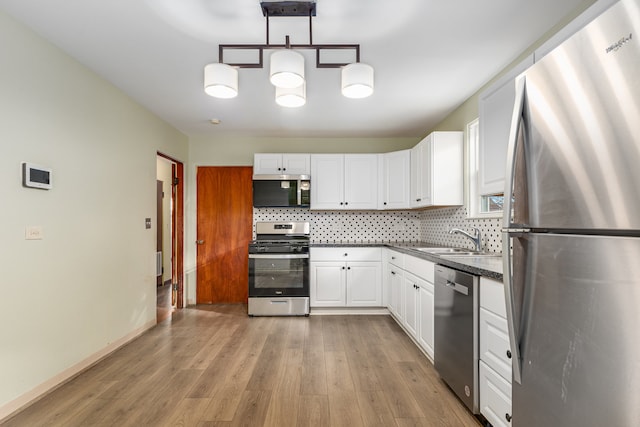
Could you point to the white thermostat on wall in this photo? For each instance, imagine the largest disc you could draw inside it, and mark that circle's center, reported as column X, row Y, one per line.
column 35, row 176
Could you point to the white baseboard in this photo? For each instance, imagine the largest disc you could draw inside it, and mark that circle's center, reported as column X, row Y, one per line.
column 333, row 311
column 11, row 408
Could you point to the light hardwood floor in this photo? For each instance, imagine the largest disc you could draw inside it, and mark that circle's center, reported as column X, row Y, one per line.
column 215, row 366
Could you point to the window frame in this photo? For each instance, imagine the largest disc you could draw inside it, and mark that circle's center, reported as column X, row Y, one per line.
column 474, row 201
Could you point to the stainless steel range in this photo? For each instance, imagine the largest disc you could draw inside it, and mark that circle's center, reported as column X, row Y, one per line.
column 279, row 269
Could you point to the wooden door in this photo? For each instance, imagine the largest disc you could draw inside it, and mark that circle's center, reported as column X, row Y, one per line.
column 224, row 230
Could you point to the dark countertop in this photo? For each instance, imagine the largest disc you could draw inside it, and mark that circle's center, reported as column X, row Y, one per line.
column 487, row 266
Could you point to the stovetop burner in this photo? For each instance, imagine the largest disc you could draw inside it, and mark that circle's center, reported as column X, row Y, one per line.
column 277, row 237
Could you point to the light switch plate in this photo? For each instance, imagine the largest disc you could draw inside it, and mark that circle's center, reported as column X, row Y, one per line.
column 147, row 223
column 33, row 232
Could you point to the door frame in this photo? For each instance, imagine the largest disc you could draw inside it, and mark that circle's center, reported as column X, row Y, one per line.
column 177, row 228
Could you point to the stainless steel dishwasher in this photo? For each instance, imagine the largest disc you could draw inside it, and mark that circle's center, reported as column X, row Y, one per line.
column 456, row 333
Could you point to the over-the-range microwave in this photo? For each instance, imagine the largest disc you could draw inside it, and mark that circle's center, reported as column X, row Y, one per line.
column 281, row 191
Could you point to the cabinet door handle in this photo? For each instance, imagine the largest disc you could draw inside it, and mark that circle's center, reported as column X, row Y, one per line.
column 509, row 354
column 341, row 203
column 279, row 169
column 385, row 203
column 284, row 169
column 199, row 242
column 393, row 272
column 348, row 268
column 343, row 268
column 346, row 203
column 507, row 417
column 346, row 254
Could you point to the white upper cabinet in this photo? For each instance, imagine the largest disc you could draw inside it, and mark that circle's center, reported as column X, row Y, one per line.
column 361, row 181
column 395, row 180
column 420, row 186
column 495, row 112
column 437, row 170
column 327, row 187
column 344, row 181
column 281, row 164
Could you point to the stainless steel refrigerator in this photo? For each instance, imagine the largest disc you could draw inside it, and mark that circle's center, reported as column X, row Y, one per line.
column 572, row 230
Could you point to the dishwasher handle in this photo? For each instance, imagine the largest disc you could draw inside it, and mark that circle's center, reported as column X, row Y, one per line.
column 457, row 287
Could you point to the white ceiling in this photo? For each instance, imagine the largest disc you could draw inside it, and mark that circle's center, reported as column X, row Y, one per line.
column 429, row 56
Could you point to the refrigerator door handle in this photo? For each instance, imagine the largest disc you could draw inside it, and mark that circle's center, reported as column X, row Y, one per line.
column 512, row 324
column 508, row 233
column 512, row 149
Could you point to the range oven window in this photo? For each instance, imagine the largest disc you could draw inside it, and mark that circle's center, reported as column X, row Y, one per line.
column 278, row 275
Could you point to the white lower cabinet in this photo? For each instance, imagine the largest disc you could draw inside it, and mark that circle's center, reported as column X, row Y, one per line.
column 395, row 280
column 410, row 318
column 495, row 355
column 328, row 284
column 425, row 320
column 495, row 397
column 346, row 277
column 364, row 284
column 410, row 285
column 494, row 343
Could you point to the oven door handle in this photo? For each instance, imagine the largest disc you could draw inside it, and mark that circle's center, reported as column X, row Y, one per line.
column 278, row 256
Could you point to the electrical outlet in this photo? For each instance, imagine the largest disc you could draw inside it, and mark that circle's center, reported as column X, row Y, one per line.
column 33, row 232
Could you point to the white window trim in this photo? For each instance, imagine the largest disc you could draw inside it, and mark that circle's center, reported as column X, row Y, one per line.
column 473, row 201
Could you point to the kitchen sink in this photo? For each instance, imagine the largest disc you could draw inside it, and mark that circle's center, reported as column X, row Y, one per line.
column 455, row 252
column 442, row 250
column 469, row 254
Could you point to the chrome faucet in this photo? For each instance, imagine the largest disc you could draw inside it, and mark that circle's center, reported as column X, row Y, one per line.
column 477, row 239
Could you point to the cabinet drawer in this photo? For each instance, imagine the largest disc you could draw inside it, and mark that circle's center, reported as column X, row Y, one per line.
column 396, row 258
column 420, row 267
column 492, row 296
column 495, row 349
column 495, row 397
column 346, row 254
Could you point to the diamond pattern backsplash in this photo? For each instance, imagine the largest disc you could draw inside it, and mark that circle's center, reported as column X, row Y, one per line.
column 435, row 225
column 336, row 226
column 396, row 226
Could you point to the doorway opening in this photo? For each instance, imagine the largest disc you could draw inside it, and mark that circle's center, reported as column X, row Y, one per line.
column 170, row 236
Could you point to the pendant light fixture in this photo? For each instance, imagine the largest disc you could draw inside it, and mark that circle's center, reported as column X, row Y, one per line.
column 286, row 70
column 357, row 80
column 291, row 97
column 221, row 80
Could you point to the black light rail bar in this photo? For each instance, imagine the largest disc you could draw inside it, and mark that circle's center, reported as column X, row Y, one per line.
column 281, row 9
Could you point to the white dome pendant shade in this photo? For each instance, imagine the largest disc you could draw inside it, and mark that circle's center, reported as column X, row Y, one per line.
column 291, row 97
column 287, row 69
column 357, row 80
column 221, row 80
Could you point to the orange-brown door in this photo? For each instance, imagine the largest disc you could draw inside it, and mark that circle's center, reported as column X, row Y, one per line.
column 224, row 229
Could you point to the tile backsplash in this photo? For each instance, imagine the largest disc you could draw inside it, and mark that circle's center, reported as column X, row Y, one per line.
column 352, row 226
column 435, row 225
column 397, row 226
